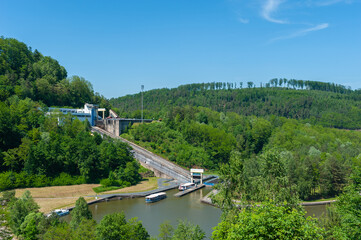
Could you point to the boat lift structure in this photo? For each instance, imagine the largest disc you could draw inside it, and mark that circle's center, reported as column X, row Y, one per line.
column 197, row 173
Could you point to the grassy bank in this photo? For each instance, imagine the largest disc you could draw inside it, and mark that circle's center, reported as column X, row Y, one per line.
column 50, row 198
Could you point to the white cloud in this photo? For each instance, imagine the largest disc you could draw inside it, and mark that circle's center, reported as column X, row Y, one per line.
column 268, row 8
column 243, row 20
column 302, row 32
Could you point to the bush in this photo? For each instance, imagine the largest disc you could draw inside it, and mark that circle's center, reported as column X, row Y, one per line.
column 67, row 179
column 40, row 181
column 7, row 181
column 11, row 180
column 106, row 182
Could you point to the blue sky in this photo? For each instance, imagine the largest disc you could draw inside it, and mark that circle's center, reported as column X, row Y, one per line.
column 120, row 45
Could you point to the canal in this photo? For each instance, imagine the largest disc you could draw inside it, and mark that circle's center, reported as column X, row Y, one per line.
column 172, row 209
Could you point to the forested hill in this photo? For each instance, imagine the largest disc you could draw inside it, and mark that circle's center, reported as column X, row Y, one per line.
column 39, row 150
column 328, row 104
column 29, row 74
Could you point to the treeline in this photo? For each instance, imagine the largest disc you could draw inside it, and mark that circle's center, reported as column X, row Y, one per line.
column 275, row 82
column 328, row 104
column 29, row 74
column 316, row 161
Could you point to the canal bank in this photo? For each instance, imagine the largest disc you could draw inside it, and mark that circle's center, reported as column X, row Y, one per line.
column 172, row 209
column 190, row 207
column 313, row 209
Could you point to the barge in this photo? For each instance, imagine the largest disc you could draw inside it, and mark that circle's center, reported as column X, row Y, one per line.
column 155, row 197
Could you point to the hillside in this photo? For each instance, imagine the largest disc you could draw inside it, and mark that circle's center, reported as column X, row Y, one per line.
column 314, row 161
column 28, row 74
column 328, row 104
column 39, row 150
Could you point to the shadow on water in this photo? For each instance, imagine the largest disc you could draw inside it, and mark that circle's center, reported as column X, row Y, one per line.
column 170, row 209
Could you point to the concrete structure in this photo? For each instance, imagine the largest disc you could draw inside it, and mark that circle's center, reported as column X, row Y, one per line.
column 116, row 125
column 197, row 173
column 102, row 110
column 160, row 166
column 89, row 113
column 185, row 192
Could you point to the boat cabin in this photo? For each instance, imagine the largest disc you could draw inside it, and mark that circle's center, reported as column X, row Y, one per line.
column 155, row 197
column 186, row 186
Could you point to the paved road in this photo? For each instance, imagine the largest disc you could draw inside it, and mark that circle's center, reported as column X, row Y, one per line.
column 152, row 160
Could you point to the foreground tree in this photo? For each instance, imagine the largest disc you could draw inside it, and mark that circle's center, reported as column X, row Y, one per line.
column 30, row 228
column 115, row 226
column 61, row 231
column 79, row 213
column 269, row 221
column 86, row 230
column 344, row 218
column 19, row 210
column 187, row 231
column 165, row 231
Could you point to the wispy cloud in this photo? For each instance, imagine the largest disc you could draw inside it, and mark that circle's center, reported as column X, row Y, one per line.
column 268, row 8
column 243, row 20
column 332, row 2
column 302, row 32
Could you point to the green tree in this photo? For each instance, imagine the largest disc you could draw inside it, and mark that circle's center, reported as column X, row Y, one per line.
column 5, row 232
column 29, row 229
column 166, row 231
column 344, row 218
column 79, row 213
column 269, row 221
column 187, row 231
column 86, row 230
column 20, row 209
column 61, row 231
column 115, row 226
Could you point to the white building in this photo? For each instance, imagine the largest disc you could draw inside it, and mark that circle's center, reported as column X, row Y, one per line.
column 89, row 112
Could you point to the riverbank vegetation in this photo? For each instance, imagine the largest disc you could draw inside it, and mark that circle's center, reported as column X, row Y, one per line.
column 272, row 146
column 21, row 215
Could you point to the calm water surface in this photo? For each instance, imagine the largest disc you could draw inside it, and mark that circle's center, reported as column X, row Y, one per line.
column 171, row 209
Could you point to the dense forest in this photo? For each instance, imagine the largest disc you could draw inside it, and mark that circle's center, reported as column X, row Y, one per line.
column 272, row 146
column 38, row 150
column 328, row 104
column 316, row 161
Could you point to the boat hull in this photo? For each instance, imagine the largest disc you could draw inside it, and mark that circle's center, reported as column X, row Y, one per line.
column 155, row 198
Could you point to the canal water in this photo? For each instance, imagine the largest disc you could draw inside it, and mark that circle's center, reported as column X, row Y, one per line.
column 172, row 209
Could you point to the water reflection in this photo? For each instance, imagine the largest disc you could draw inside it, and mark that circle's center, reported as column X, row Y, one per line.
column 172, row 208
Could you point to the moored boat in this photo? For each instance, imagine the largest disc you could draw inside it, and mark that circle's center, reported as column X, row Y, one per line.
column 155, row 197
column 186, row 186
column 59, row 212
